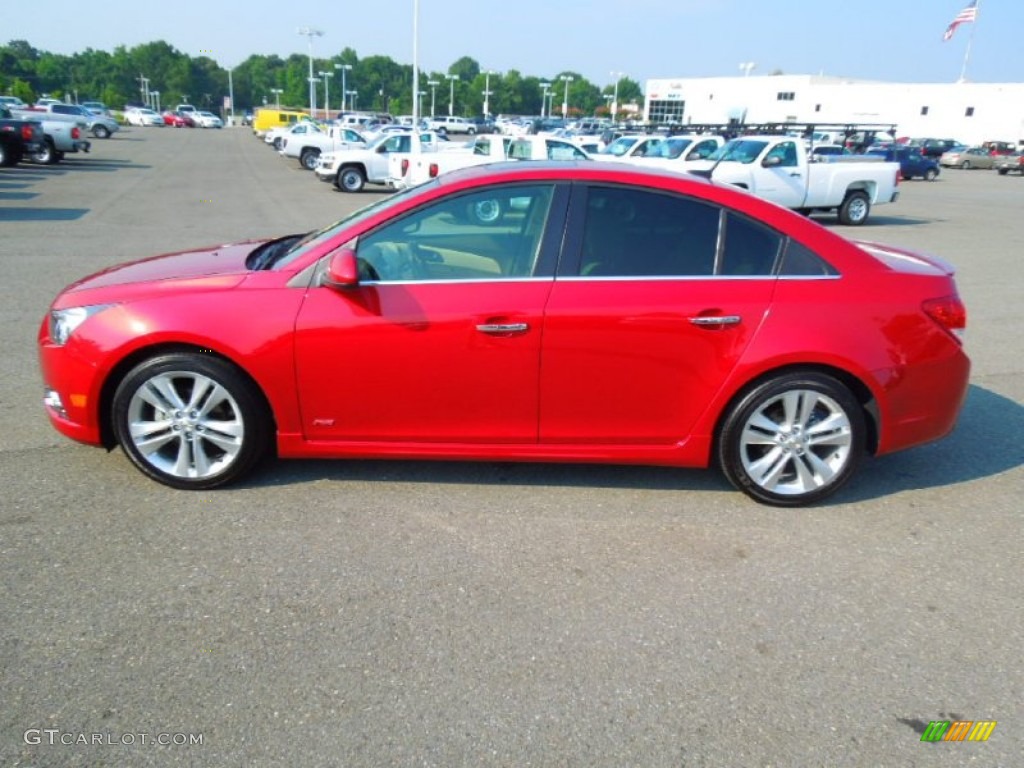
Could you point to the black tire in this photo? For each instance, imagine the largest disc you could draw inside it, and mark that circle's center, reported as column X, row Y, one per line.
column 48, row 155
column 471, row 130
column 6, row 156
column 1002, row 171
column 198, row 421
column 277, row 144
column 855, row 209
column 931, row 174
column 308, row 158
column 350, row 179
column 101, row 132
column 792, row 440
column 966, row 165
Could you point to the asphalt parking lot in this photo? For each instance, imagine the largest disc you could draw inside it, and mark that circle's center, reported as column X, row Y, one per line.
column 456, row 614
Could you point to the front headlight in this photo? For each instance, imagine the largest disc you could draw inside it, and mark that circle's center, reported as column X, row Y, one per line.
column 63, row 322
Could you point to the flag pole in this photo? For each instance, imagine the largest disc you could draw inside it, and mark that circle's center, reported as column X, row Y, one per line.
column 970, row 39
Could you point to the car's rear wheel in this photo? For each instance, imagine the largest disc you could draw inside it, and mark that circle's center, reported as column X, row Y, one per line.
column 190, row 421
column 855, row 208
column 1002, row 171
column 966, row 165
column 931, row 174
column 350, row 180
column 47, row 155
column 308, row 158
column 793, row 439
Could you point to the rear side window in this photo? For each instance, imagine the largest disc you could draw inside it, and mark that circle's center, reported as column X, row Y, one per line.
column 800, row 261
column 750, row 248
column 634, row 233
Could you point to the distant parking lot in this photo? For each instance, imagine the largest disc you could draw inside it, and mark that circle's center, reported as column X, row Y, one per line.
column 401, row 613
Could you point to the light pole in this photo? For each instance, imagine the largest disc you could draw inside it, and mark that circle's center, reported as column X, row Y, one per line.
column 565, row 101
column 327, row 92
column 544, row 97
column 746, row 67
column 451, row 96
column 310, row 33
column 156, row 99
column 433, row 94
column 615, row 96
column 344, row 70
column 277, row 97
column 487, row 92
column 352, row 99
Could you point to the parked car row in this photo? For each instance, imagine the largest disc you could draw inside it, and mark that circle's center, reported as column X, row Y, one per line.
column 144, row 117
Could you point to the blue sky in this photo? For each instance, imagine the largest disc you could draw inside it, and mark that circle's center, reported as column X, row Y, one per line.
column 894, row 40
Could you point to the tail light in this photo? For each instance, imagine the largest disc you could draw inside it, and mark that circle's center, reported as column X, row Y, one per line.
column 75, row 133
column 949, row 313
column 405, row 166
column 26, row 133
column 433, row 170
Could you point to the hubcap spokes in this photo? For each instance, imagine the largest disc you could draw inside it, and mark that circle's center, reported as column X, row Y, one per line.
column 796, row 442
column 185, row 424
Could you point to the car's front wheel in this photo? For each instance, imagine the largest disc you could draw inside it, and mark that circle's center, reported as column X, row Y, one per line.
column 793, row 439
column 101, row 132
column 190, row 421
column 931, row 174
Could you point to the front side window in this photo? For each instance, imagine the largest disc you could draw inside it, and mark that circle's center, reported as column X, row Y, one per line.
column 488, row 234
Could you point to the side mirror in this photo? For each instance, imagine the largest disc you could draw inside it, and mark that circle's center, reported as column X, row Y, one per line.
column 342, row 270
column 771, row 161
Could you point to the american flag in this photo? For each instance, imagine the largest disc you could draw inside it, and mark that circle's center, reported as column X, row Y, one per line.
column 969, row 13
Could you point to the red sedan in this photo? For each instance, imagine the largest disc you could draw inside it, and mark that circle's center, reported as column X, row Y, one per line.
column 578, row 312
column 178, row 121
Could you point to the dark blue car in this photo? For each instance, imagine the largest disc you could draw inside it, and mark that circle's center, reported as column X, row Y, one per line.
column 913, row 164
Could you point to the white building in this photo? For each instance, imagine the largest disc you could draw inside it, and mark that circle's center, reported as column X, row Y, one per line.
column 968, row 112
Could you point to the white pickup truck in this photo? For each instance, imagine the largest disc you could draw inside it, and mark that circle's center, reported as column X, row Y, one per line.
column 777, row 168
column 308, row 145
column 417, row 167
column 352, row 169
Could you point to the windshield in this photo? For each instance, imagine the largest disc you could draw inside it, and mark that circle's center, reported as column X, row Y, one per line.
column 316, row 238
column 743, row 151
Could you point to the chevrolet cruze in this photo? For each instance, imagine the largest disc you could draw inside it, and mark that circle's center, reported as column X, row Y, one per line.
column 573, row 312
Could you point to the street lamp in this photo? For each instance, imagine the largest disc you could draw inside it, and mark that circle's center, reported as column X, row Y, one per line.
column 746, row 67
column 327, row 92
column 487, row 92
column 352, row 99
column 565, row 101
column 544, row 97
column 451, row 96
column 615, row 97
column 277, row 96
column 344, row 70
column 310, row 33
column 433, row 94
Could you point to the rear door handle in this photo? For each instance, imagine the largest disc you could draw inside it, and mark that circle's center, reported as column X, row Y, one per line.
column 503, row 328
column 715, row 321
